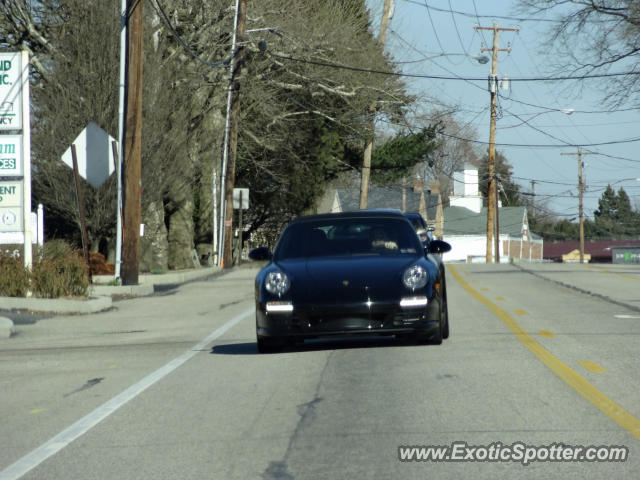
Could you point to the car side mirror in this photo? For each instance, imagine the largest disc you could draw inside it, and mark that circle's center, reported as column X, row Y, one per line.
column 260, row 253
column 438, row 246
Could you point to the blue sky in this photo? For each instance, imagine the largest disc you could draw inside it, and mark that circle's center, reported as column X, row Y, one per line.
column 422, row 29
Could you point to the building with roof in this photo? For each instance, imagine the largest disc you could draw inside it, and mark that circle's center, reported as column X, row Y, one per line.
column 466, row 231
column 465, row 225
column 599, row 251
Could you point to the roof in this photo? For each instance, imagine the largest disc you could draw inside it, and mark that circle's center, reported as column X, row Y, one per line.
column 462, row 221
column 374, row 213
column 600, row 249
column 379, row 197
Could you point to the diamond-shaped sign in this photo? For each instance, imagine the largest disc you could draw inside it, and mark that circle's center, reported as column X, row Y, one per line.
column 95, row 156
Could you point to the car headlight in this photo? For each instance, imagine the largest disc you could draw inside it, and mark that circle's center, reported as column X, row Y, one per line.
column 277, row 283
column 415, row 277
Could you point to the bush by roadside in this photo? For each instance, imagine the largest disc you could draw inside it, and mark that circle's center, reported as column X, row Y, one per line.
column 58, row 270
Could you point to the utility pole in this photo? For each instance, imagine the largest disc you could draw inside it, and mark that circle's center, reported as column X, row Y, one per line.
column 133, row 146
column 492, row 193
column 533, row 197
column 232, row 143
column 365, row 174
column 580, row 194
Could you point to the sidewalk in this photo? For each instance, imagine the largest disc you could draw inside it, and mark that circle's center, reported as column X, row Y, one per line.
column 618, row 284
column 101, row 295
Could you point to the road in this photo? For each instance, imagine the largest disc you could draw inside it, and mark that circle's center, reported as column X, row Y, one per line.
column 171, row 386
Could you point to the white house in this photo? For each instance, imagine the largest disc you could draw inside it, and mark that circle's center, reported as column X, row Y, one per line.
column 465, row 226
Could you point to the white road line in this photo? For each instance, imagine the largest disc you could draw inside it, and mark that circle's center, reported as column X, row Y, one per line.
column 82, row 426
column 627, row 316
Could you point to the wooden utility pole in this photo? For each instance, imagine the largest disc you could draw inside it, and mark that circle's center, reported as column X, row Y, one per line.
column 492, row 193
column 133, row 146
column 579, row 153
column 533, row 197
column 230, row 175
column 365, row 174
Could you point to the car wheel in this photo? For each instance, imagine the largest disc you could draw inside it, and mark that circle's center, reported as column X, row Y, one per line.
column 268, row 345
column 445, row 311
column 436, row 337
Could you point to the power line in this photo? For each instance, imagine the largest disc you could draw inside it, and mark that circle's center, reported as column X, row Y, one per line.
column 504, row 17
column 574, row 111
column 442, row 77
column 555, row 145
column 453, row 18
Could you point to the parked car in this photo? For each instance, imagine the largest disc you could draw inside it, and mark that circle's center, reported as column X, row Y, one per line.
column 420, row 226
column 350, row 273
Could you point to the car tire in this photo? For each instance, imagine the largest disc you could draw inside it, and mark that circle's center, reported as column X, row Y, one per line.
column 268, row 345
column 445, row 310
column 436, row 337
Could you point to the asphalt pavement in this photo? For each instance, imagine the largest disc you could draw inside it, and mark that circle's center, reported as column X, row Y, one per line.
column 170, row 385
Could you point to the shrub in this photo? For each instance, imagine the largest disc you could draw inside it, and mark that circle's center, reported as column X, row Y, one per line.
column 14, row 279
column 60, row 271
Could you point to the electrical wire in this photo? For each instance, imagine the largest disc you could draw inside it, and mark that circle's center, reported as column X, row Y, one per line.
column 442, row 77
column 504, row 17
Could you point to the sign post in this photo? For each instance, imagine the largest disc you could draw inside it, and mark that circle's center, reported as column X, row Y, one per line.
column 15, row 150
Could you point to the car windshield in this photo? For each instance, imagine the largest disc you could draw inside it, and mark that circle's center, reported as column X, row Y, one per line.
column 348, row 236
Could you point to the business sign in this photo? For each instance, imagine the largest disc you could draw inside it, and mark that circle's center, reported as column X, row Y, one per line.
column 11, row 214
column 11, row 219
column 11, row 91
column 10, row 194
column 10, row 155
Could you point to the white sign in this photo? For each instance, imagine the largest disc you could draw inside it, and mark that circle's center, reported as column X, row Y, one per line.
column 245, row 198
column 95, row 155
column 11, row 219
column 10, row 155
column 11, row 194
column 11, row 91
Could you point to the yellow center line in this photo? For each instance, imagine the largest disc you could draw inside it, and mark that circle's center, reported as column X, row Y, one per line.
column 566, row 373
column 592, row 367
column 546, row 333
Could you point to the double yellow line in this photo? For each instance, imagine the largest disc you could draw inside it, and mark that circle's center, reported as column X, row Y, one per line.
column 566, row 373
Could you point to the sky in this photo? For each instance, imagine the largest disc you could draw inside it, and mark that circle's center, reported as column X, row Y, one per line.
column 437, row 37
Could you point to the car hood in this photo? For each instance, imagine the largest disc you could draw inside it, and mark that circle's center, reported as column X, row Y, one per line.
column 350, row 279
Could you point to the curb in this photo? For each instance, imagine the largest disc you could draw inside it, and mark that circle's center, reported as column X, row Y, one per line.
column 580, row 290
column 56, row 305
column 101, row 293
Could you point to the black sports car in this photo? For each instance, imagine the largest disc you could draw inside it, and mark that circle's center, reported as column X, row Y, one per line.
column 363, row 272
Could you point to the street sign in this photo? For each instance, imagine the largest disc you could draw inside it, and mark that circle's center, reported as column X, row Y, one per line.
column 95, row 155
column 241, row 192
column 11, row 91
column 11, row 155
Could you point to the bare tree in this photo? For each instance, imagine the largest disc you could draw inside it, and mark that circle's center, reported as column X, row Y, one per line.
column 595, row 37
column 301, row 106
